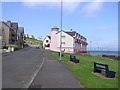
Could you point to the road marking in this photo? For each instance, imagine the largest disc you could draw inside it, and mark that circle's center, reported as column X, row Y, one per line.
column 34, row 75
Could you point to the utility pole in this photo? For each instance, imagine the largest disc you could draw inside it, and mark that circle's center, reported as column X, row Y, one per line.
column 61, row 33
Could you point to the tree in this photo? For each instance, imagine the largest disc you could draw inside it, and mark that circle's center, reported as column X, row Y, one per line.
column 33, row 36
column 20, row 42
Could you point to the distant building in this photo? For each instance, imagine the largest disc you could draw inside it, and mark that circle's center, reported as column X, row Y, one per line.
column 14, row 26
column 2, row 35
column 10, row 33
column 31, row 36
column 72, row 42
column 46, row 42
column 27, row 36
column 39, row 38
column 20, row 33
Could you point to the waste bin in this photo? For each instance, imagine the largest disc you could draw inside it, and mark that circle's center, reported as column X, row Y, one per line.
column 9, row 49
column 12, row 49
column 111, row 74
column 61, row 54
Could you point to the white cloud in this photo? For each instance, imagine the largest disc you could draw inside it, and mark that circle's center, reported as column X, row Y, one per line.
column 30, row 4
column 92, row 8
column 89, row 9
column 70, row 6
column 59, row 0
column 41, row 0
column 67, row 6
column 34, row 3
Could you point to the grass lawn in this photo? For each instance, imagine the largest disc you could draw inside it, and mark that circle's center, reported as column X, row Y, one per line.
column 84, row 70
column 33, row 41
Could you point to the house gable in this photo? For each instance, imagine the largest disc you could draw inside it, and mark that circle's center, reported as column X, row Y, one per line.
column 67, row 40
column 47, row 37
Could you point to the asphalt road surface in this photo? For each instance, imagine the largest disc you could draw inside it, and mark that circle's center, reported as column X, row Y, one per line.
column 34, row 68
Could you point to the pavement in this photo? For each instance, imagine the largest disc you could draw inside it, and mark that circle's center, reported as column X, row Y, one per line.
column 35, row 68
column 54, row 74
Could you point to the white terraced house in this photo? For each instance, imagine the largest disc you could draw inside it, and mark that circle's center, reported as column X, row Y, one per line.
column 72, row 42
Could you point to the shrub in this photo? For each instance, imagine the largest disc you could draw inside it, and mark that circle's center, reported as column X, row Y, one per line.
column 20, row 42
column 16, row 48
column 5, row 47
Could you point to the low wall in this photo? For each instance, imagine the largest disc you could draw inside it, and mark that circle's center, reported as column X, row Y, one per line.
column 111, row 57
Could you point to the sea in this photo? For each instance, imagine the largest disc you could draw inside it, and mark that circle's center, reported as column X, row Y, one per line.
column 100, row 53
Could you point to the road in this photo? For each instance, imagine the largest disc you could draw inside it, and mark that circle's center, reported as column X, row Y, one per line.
column 20, row 67
column 34, row 68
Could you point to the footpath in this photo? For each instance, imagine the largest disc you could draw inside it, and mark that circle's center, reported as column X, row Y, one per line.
column 54, row 74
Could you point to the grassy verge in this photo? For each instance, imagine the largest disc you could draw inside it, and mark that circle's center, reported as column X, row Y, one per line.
column 33, row 41
column 84, row 71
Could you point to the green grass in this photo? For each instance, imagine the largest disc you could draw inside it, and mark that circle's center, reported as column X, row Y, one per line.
column 33, row 41
column 84, row 71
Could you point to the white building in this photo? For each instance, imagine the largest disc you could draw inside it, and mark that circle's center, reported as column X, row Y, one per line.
column 38, row 38
column 46, row 42
column 72, row 42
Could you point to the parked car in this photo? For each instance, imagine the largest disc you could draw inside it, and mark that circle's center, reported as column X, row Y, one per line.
column 37, row 47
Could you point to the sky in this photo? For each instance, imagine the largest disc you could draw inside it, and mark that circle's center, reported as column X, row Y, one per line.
column 97, row 21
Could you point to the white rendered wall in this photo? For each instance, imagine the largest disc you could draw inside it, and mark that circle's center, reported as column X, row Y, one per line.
column 54, row 40
column 46, row 43
column 68, row 40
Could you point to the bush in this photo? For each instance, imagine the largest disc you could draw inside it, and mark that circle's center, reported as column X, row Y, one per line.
column 20, row 42
column 16, row 48
column 5, row 47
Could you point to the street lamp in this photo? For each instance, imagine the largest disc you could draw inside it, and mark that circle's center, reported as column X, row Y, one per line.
column 90, row 45
column 61, row 33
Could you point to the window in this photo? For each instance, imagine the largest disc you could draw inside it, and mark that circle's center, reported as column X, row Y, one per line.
column 63, row 42
column 48, row 45
column 63, row 36
column 81, row 37
column 46, row 40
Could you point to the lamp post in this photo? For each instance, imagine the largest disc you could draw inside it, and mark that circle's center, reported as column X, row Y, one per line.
column 61, row 33
column 90, row 45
